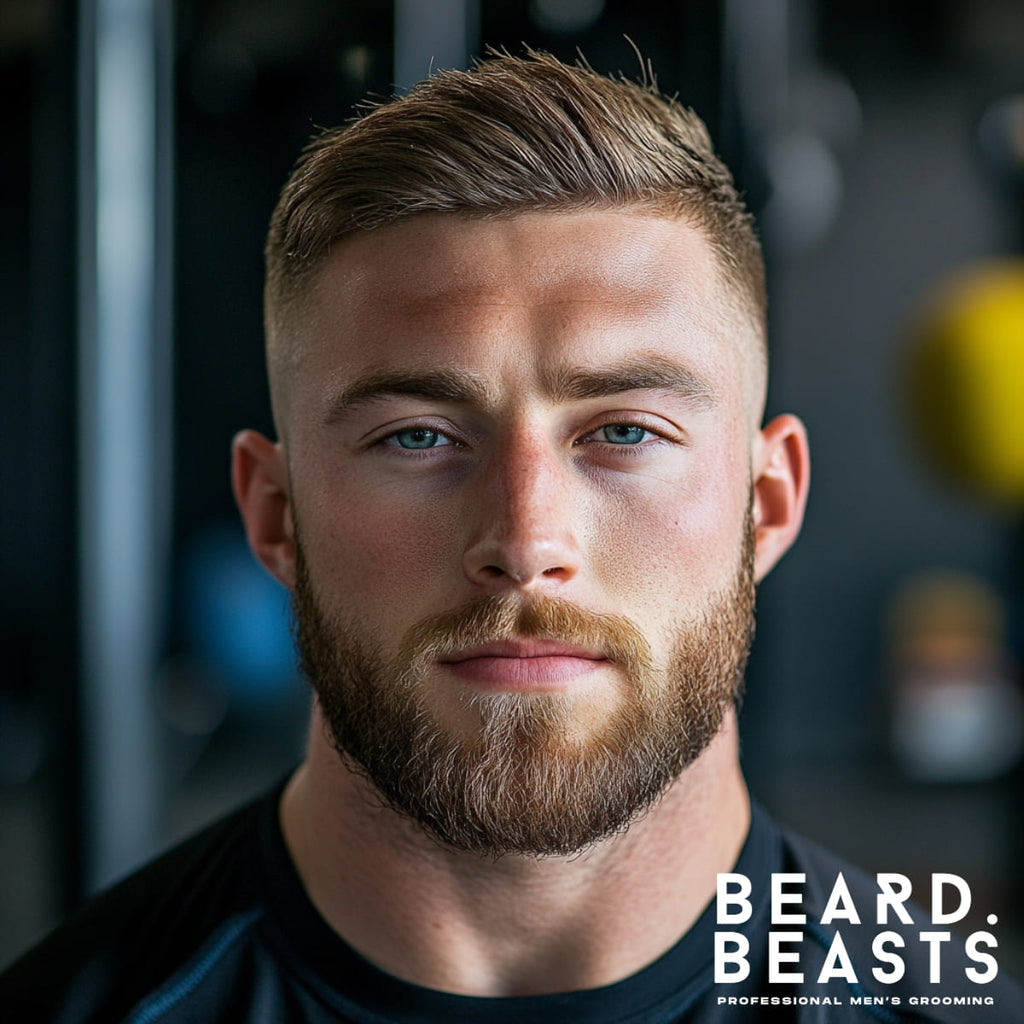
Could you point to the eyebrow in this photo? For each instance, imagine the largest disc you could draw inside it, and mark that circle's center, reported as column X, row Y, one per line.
column 443, row 384
column 635, row 373
column 439, row 385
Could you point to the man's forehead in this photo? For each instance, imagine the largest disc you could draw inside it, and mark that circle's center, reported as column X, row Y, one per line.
column 614, row 281
column 618, row 258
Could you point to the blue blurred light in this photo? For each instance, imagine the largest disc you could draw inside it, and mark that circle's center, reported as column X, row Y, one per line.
column 237, row 619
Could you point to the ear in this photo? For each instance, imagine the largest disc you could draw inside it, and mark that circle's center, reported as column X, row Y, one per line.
column 259, row 478
column 781, row 471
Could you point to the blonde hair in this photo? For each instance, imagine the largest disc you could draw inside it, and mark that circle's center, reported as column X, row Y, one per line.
column 510, row 135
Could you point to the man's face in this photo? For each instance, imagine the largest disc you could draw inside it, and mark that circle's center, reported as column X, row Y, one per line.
column 519, row 460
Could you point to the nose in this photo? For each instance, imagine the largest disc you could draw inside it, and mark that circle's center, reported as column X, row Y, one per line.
column 524, row 519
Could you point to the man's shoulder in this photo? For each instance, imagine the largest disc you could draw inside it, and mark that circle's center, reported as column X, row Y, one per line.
column 123, row 943
column 905, row 962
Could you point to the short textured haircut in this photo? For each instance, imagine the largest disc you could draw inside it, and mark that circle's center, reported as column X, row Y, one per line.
column 511, row 135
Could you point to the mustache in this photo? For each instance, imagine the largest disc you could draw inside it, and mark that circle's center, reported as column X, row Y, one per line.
column 503, row 617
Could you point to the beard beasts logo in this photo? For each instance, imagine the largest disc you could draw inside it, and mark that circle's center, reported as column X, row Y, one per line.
column 889, row 946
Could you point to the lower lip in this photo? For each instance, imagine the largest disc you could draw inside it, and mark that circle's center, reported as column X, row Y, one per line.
column 524, row 673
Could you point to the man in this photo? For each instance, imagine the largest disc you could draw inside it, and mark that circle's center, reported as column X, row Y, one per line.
column 522, row 495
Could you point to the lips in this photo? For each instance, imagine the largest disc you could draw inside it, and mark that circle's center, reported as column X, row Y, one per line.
column 524, row 649
column 524, row 664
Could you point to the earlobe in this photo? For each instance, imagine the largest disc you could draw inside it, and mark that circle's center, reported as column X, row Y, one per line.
column 781, row 475
column 259, row 478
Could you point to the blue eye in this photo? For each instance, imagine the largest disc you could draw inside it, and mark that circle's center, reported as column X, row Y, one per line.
column 418, row 438
column 623, row 433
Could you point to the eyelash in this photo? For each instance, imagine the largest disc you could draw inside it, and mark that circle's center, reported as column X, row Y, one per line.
column 632, row 448
column 388, row 441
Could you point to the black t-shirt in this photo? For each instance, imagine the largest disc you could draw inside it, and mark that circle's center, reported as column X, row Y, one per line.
column 221, row 930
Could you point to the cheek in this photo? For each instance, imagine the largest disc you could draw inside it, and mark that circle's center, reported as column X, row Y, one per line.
column 376, row 551
column 668, row 544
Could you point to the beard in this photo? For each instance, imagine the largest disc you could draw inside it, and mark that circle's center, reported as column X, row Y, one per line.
column 534, row 774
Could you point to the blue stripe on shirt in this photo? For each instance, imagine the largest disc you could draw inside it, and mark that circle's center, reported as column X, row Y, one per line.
column 188, row 978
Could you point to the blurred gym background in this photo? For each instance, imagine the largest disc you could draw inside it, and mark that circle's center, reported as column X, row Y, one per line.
column 147, row 680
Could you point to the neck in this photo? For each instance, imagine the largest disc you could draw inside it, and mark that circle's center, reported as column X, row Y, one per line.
column 519, row 925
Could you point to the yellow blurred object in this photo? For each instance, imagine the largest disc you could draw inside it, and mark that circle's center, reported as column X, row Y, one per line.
column 966, row 379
